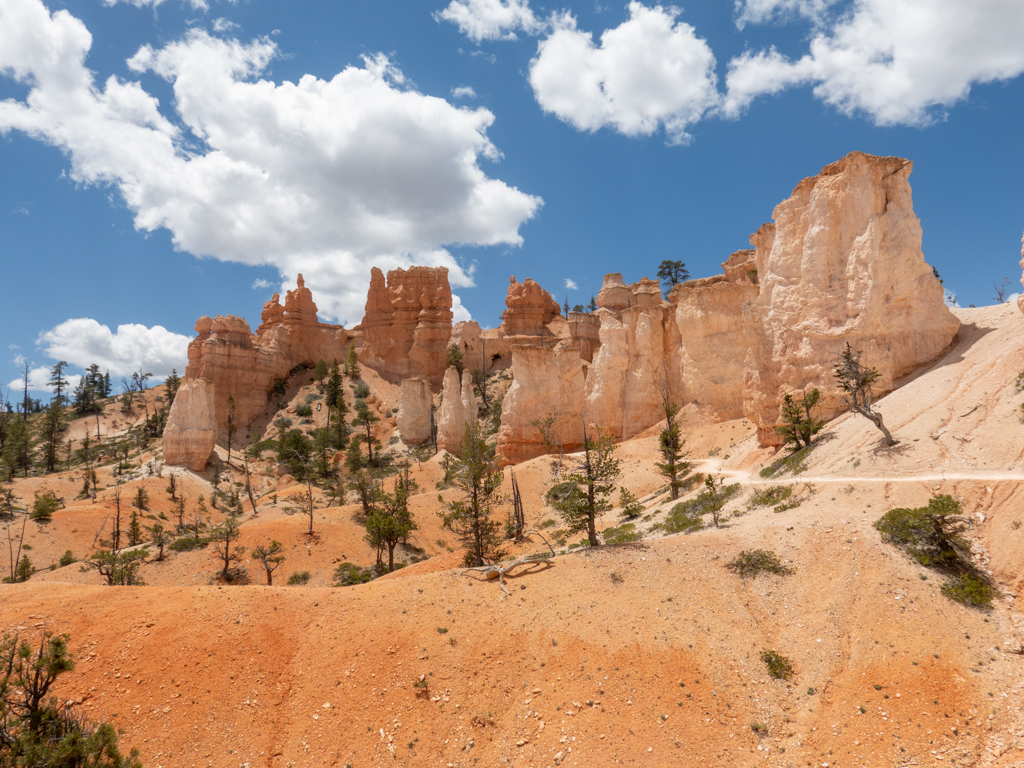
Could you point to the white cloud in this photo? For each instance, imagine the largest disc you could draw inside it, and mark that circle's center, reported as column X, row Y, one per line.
column 224, row 25
column 761, row 11
column 259, row 283
column 463, row 92
column 19, row 360
column 650, row 72
column 897, row 61
column 571, row 284
column 324, row 177
column 199, row 5
column 491, row 19
column 459, row 312
column 83, row 341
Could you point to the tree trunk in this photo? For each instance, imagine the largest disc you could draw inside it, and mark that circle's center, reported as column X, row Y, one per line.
column 876, row 419
column 270, row 578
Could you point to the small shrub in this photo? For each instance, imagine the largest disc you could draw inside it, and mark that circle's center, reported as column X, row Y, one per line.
column 361, row 390
column 67, row 558
column 442, row 630
column 771, row 496
column 350, row 574
column 749, row 565
column 795, row 463
column 283, row 423
column 1019, row 384
column 312, row 397
column 778, row 665
column 692, row 482
column 188, row 543
column 549, row 523
column 970, row 590
column 622, row 534
column 304, row 411
column 759, row 728
column 682, row 520
column 298, row 579
column 45, row 505
column 629, row 504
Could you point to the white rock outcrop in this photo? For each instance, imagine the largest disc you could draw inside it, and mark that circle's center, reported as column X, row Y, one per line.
column 458, row 410
column 414, row 411
column 191, row 430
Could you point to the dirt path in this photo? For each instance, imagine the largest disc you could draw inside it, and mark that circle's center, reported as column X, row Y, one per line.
column 747, row 478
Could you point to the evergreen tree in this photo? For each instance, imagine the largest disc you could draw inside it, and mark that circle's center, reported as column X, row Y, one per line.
column 173, row 384
column 857, row 381
column 352, row 362
column 390, row 523
column 51, row 429
column 583, row 495
column 798, row 425
column 453, row 359
column 270, row 557
column 670, row 445
column 470, row 518
column 225, row 543
column 158, row 537
column 592, row 306
column 320, row 372
column 673, row 272
column 134, row 530
column 18, row 447
column 366, row 418
column 58, row 383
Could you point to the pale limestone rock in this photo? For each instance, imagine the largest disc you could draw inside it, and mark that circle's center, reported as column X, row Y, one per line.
column 546, row 382
column 191, row 430
column 414, row 412
column 457, row 411
column 841, row 264
column 614, row 294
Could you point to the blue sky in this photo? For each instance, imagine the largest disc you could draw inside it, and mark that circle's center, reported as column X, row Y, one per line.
column 165, row 159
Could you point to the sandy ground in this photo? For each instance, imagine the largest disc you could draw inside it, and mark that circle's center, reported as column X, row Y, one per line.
column 645, row 653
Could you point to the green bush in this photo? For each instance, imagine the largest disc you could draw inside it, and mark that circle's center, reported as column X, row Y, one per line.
column 778, row 665
column 681, row 520
column 771, row 496
column 932, row 535
column 67, row 558
column 188, row 544
column 692, row 482
column 750, row 564
column 45, row 505
column 970, row 590
column 795, row 463
column 349, row 574
column 298, row 578
column 622, row 534
column 361, row 390
column 304, row 411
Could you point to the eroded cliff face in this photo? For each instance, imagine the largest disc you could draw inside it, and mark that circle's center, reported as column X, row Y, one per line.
column 528, row 309
column 842, row 264
column 458, row 410
column 234, row 362
column 408, row 323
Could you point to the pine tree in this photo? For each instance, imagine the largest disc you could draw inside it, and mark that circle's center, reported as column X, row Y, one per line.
column 592, row 306
column 320, row 372
column 366, row 418
column 58, row 383
column 583, row 494
column 670, row 445
column 51, row 429
column 352, row 362
column 470, row 518
column 798, row 425
column 390, row 523
column 225, row 543
column 673, row 272
column 856, row 381
column 134, row 530
column 270, row 557
column 231, row 425
column 453, row 359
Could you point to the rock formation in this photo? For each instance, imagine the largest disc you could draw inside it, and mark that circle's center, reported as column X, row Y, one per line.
column 237, row 363
column 457, row 411
column 546, row 383
column 408, row 323
column 191, row 431
column 841, row 263
column 528, row 309
column 414, row 412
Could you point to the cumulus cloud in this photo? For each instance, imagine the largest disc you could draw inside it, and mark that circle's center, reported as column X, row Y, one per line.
column 491, row 19
column 900, row 62
column 463, row 92
column 133, row 347
column 323, row 177
column 571, row 284
column 224, row 25
column 650, row 72
column 259, row 283
column 459, row 312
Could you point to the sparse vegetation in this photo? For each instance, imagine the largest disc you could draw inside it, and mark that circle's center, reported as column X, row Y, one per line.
column 477, row 476
column 794, row 463
column 584, row 493
column 630, row 506
column 350, row 574
column 798, row 425
column 932, row 535
column 769, row 497
column 622, row 534
column 778, row 666
column 856, row 380
column 299, row 579
column 751, row 564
